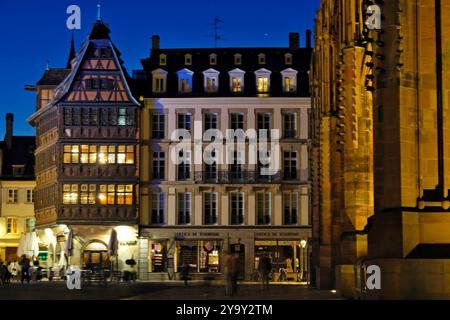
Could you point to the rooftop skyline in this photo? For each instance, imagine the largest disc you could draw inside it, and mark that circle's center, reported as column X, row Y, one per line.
column 46, row 39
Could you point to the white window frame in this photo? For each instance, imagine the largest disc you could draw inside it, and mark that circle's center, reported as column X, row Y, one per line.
column 292, row 75
column 157, row 75
column 237, row 73
column 15, row 224
column 30, row 196
column 185, row 75
column 14, row 195
column 211, row 74
column 261, row 74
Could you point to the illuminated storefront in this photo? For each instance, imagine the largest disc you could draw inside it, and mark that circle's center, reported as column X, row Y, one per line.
column 168, row 249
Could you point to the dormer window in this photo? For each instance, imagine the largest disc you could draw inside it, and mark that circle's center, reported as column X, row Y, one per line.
column 211, row 80
column 263, row 80
column 288, row 58
column 162, row 60
column 236, row 80
column 18, row 170
column 213, row 59
column 237, row 59
column 185, row 81
column 289, row 77
column 188, row 59
column 261, row 58
column 159, row 80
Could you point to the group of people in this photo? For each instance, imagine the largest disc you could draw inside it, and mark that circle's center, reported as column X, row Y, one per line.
column 21, row 270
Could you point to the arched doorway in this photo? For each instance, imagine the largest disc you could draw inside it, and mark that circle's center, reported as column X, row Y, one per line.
column 95, row 255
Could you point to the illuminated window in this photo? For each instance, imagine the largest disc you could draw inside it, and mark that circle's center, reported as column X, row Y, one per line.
column 75, row 154
column 125, row 154
column 211, row 80
column 88, row 193
column 12, row 195
column 289, row 77
column 122, row 117
column 11, row 227
column 185, row 81
column 125, row 194
column 111, row 154
column 92, row 154
column 84, row 155
column 70, row 194
column 102, row 194
column 236, row 80
column 262, row 80
column 103, row 155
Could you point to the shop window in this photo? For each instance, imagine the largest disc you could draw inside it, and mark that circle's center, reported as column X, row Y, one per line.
column 200, row 256
column 285, row 255
column 158, row 206
column 158, row 256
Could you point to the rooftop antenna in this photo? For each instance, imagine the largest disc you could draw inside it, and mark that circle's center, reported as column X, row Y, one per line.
column 216, row 36
column 47, row 64
column 99, row 11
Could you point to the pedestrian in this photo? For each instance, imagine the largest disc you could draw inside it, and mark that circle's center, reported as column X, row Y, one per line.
column 228, row 266
column 185, row 272
column 264, row 268
column 6, row 274
column 13, row 269
column 25, row 269
column 234, row 273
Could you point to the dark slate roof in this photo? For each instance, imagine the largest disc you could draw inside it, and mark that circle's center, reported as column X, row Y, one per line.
column 53, row 77
column 275, row 62
column 21, row 153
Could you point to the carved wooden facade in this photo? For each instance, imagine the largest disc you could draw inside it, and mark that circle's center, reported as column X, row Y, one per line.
column 87, row 141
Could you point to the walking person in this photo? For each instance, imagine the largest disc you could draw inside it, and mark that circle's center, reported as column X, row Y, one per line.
column 264, row 267
column 185, row 273
column 13, row 268
column 25, row 269
column 227, row 270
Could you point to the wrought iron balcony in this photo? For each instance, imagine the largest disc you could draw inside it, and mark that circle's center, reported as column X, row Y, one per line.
column 236, row 177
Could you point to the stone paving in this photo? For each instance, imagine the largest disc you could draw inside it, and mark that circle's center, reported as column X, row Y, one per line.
column 159, row 291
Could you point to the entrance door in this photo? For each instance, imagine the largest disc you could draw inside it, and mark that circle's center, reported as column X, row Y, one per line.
column 239, row 250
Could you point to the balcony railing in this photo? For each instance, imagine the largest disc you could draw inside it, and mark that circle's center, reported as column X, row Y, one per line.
column 237, row 177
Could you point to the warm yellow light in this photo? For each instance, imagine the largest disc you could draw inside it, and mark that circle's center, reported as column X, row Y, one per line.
column 102, row 158
column 126, row 233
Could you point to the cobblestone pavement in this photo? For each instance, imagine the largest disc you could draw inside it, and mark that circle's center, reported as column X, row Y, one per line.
column 158, row 291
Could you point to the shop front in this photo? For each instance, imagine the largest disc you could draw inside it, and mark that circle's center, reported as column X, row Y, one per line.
column 163, row 252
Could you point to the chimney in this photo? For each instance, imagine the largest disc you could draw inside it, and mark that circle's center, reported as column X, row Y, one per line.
column 294, row 40
column 155, row 42
column 308, row 39
column 9, row 130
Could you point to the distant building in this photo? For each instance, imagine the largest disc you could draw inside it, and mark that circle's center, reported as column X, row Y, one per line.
column 17, row 183
column 193, row 212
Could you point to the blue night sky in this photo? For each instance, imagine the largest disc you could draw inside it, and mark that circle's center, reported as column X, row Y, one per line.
column 34, row 31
